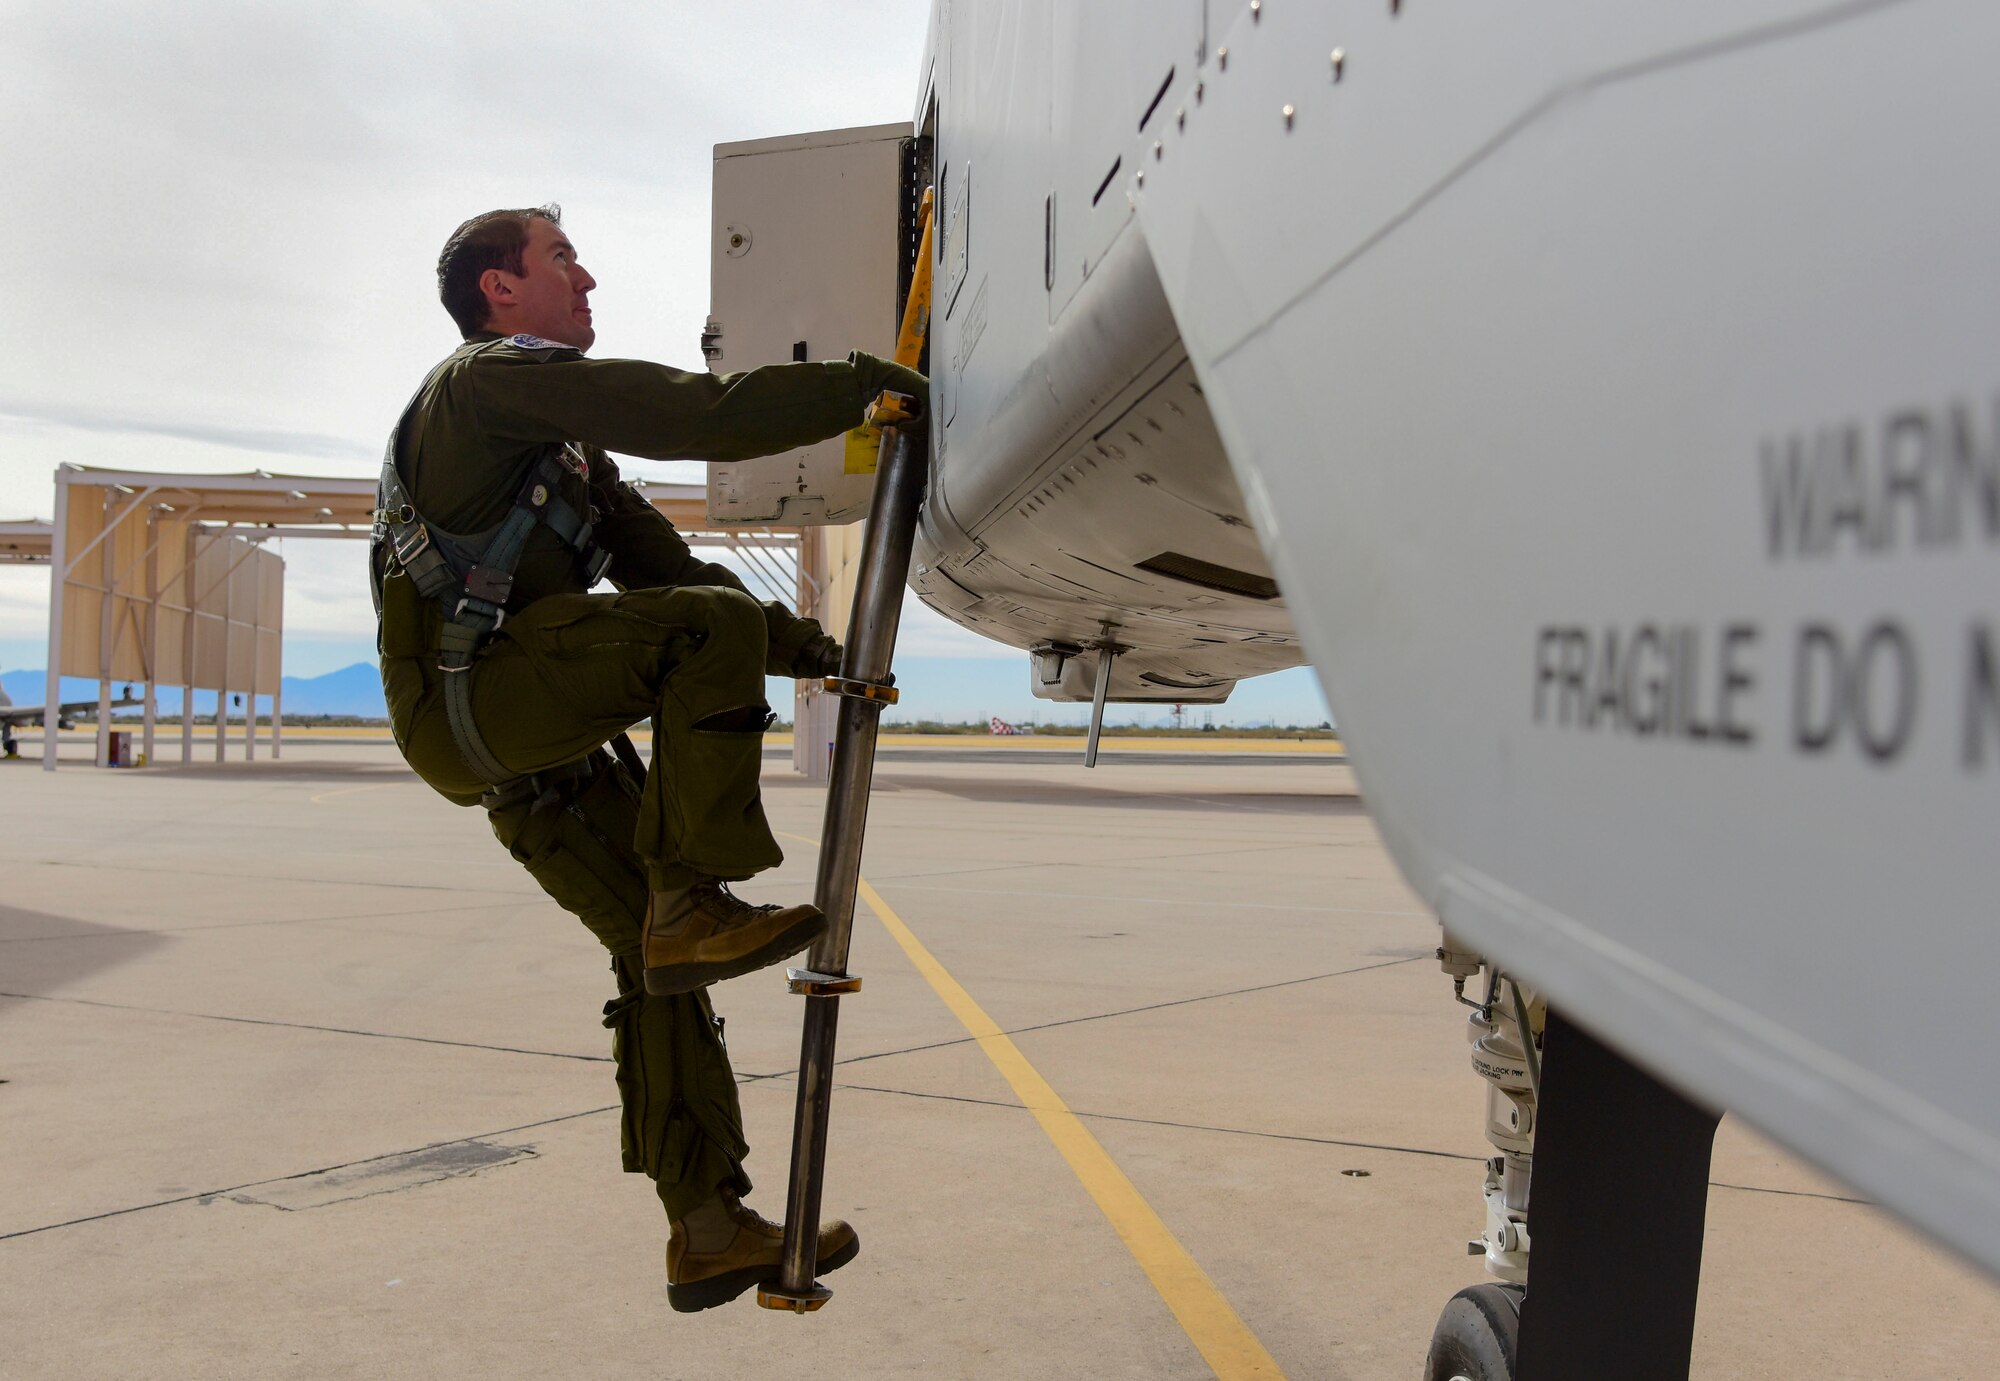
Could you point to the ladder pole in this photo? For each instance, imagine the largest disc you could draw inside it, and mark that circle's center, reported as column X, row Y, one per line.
column 871, row 644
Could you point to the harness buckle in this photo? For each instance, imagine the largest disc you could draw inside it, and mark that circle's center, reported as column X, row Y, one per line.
column 596, row 566
column 413, row 540
column 499, row 615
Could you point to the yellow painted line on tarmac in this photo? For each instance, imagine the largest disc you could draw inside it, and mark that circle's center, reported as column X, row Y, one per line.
column 1210, row 1322
column 1212, row 1325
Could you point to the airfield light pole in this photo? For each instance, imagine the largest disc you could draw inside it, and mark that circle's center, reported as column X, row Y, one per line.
column 864, row 686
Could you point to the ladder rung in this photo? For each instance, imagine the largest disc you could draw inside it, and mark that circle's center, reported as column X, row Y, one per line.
column 808, row 983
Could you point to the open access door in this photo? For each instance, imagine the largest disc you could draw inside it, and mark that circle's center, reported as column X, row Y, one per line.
column 805, row 264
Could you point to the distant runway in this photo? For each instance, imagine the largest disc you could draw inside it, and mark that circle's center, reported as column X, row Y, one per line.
column 1072, row 754
column 1188, row 750
column 1192, row 750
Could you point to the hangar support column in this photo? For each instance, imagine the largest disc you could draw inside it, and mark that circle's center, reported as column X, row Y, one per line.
column 106, row 611
column 152, row 710
column 187, row 651
column 58, row 568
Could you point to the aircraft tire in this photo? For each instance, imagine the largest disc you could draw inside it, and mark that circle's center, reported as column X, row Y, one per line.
column 1476, row 1335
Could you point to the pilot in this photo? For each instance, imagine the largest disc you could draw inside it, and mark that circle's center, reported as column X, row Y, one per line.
column 506, row 681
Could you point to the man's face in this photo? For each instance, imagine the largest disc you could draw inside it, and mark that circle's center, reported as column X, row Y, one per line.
column 549, row 297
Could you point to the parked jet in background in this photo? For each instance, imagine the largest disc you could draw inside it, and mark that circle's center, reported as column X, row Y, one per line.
column 12, row 715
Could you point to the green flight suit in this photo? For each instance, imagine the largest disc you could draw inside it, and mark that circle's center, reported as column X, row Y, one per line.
column 681, row 644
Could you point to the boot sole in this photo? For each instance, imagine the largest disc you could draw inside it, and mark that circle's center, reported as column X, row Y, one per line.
column 697, row 1295
column 685, row 978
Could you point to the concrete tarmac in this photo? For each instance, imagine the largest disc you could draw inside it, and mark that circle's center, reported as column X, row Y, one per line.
column 305, row 1078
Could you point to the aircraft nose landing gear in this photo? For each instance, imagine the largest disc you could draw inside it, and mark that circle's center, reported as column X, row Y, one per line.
column 1608, row 1146
column 1503, row 1030
column 1616, row 1148
column 1477, row 1334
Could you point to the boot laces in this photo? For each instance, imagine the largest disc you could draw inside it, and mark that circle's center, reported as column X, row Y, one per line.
column 746, row 1216
column 736, row 910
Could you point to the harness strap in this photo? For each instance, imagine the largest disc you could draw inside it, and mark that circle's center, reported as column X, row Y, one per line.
column 545, row 788
column 465, row 732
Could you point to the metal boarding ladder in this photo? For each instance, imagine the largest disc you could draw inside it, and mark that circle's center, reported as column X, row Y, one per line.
column 865, row 687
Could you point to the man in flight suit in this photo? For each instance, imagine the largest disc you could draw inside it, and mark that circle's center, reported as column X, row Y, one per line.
column 519, row 417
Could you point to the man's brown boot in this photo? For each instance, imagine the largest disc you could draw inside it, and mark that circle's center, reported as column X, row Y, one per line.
column 749, row 1255
column 706, row 934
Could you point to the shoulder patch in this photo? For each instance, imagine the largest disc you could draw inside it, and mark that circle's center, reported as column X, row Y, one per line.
column 537, row 343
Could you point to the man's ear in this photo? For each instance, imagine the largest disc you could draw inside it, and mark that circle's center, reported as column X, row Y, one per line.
column 496, row 289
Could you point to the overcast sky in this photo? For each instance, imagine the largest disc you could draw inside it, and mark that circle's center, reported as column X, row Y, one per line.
column 229, row 215
column 226, row 219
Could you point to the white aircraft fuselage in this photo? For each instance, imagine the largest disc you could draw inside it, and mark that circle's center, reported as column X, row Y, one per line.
column 1613, row 394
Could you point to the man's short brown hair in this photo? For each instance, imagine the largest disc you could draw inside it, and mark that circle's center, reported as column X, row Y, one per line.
column 492, row 240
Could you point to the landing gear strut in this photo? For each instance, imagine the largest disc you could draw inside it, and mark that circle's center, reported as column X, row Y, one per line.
column 1619, row 1167
column 1504, row 1031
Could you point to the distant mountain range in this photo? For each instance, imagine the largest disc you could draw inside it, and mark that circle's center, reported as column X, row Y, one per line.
column 355, row 690
column 951, row 689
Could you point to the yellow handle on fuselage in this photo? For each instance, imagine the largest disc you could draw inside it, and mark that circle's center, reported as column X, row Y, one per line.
column 864, row 443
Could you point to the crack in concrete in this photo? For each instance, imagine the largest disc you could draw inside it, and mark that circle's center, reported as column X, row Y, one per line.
column 1316, row 1140
column 96, row 865
column 1102, row 1016
column 308, row 1026
column 246, row 925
